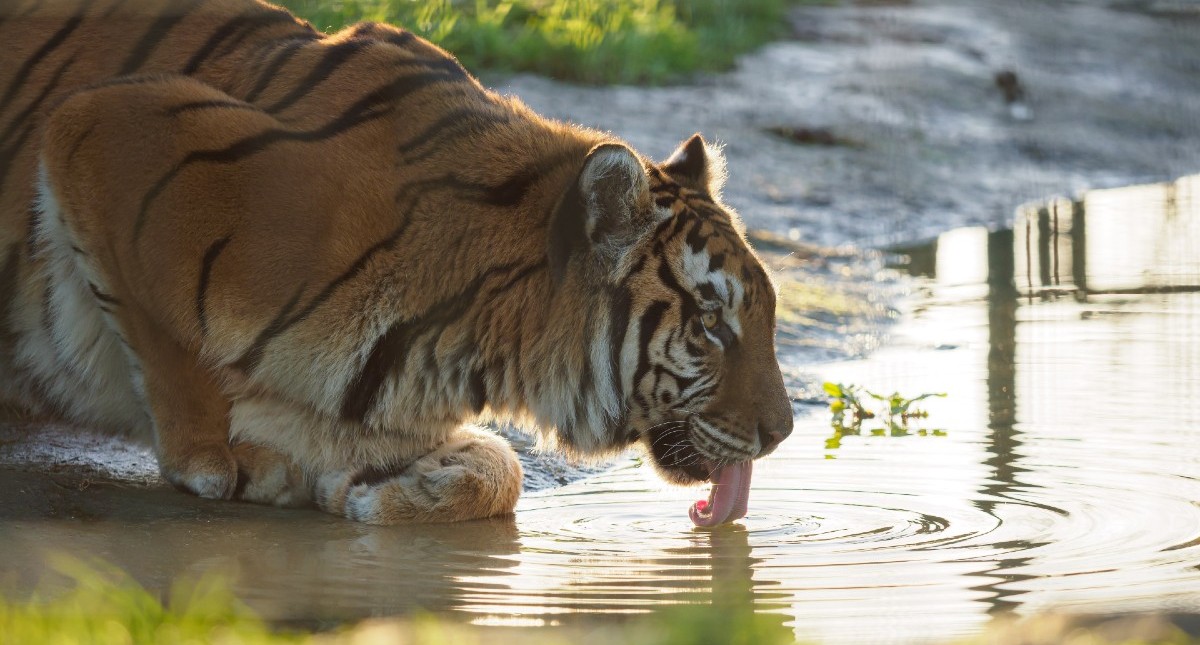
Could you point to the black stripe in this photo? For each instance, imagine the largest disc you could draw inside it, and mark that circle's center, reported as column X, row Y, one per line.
column 196, row 106
column 48, row 309
column 288, row 50
column 618, row 327
column 47, row 88
column 390, row 351
column 282, row 323
column 220, row 35
column 398, row 37
column 136, row 79
column 101, row 296
column 154, row 35
column 510, row 192
column 261, row 21
column 40, row 55
column 705, row 385
column 514, row 189
column 334, row 57
column 696, row 239
column 452, row 125
column 31, row 237
column 677, row 223
column 250, row 359
column 374, row 475
column 8, row 289
column 730, row 448
column 716, row 261
column 646, row 328
column 375, row 105
column 402, row 39
column 687, row 302
column 478, row 391
column 9, row 153
column 682, row 383
column 239, row 488
column 206, row 267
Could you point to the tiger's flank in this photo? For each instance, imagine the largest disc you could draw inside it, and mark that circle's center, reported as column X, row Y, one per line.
column 302, row 265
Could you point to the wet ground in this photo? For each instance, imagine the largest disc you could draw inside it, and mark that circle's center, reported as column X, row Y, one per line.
column 1067, row 476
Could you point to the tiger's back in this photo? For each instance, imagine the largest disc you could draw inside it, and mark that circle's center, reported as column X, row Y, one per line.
column 310, row 94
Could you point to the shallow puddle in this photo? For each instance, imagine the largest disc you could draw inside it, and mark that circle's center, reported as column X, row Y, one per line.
column 1067, row 480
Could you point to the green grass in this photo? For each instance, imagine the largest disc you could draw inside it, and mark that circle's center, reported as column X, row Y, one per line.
column 589, row 41
column 104, row 606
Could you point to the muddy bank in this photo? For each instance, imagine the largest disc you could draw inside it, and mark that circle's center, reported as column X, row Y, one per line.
column 879, row 124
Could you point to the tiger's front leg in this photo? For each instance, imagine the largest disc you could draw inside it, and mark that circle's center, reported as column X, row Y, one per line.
column 475, row 474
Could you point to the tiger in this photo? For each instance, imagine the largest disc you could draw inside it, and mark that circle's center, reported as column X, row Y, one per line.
column 305, row 267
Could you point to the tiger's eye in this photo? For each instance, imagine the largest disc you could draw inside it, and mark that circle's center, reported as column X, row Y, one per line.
column 709, row 318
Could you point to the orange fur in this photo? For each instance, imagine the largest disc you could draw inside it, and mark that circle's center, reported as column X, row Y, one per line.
column 299, row 263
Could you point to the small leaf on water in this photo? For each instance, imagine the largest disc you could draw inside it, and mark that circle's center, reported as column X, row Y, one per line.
column 833, row 389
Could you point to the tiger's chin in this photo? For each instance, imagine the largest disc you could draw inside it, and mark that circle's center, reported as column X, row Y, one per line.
column 675, row 456
column 678, row 460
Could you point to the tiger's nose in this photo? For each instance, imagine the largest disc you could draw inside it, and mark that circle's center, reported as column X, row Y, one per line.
column 771, row 435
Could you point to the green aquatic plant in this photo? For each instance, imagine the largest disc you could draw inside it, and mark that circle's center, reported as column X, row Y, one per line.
column 850, row 406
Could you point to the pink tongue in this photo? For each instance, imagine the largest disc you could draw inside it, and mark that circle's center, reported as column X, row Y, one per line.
column 731, row 492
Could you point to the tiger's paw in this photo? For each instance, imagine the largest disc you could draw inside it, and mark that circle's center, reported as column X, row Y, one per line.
column 205, row 470
column 268, row 477
column 474, row 475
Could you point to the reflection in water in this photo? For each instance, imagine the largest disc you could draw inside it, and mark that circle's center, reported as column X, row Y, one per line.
column 1068, row 481
column 1001, row 392
column 1135, row 239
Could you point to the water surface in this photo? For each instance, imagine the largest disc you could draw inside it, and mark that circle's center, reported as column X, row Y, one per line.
column 1068, row 479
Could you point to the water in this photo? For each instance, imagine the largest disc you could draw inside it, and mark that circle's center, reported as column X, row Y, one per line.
column 1068, row 479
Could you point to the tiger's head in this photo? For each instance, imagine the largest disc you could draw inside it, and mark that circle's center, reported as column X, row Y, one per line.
column 691, row 318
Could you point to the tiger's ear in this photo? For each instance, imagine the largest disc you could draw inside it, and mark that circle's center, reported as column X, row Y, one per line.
column 604, row 211
column 698, row 166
